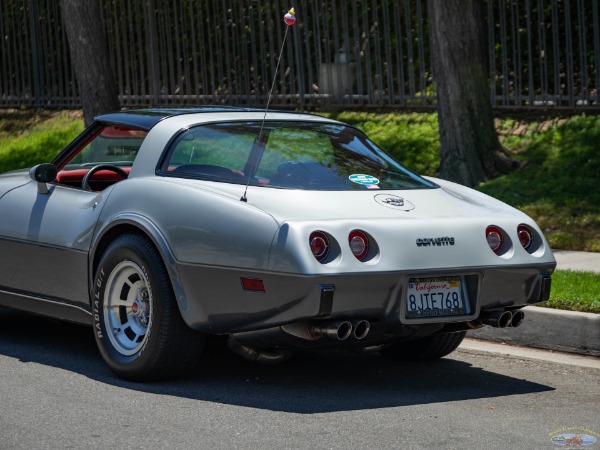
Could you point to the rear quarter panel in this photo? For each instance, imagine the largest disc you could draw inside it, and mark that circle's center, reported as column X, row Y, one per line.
column 200, row 226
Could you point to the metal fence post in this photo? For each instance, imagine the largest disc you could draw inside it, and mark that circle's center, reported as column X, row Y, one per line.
column 151, row 37
column 35, row 53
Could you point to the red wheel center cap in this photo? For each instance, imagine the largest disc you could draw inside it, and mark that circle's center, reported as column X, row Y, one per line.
column 135, row 308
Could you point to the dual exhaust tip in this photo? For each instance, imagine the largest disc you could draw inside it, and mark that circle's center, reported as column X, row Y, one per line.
column 359, row 329
column 253, row 350
column 502, row 319
column 341, row 330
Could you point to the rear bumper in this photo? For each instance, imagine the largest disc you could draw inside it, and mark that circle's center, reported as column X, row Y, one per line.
column 212, row 299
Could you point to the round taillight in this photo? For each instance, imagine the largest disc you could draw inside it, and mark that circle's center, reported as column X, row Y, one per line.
column 525, row 236
column 359, row 244
column 319, row 245
column 494, row 238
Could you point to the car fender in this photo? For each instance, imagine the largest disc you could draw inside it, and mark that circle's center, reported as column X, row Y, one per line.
column 129, row 222
column 13, row 180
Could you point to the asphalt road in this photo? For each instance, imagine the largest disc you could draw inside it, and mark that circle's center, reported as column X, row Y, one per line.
column 55, row 392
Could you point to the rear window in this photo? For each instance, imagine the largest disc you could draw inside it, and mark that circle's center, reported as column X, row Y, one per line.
column 289, row 155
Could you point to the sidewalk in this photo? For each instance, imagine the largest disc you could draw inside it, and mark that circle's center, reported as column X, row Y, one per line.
column 555, row 329
column 585, row 261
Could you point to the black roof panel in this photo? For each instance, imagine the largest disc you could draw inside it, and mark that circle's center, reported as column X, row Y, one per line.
column 147, row 118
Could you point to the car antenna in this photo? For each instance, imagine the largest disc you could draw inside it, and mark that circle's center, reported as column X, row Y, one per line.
column 289, row 19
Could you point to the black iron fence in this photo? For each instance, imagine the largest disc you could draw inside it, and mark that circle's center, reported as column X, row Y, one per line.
column 339, row 54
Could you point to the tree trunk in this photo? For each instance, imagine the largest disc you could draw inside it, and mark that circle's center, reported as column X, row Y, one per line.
column 89, row 55
column 470, row 150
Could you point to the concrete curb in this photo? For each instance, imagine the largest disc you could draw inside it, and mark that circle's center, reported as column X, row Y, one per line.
column 553, row 329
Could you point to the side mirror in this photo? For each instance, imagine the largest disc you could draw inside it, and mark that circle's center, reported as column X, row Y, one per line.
column 42, row 174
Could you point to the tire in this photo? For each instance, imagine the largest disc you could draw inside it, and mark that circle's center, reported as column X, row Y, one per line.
column 137, row 325
column 427, row 348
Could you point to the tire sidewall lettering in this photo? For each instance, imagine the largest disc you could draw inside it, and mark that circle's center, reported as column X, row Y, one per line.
column 97, row 295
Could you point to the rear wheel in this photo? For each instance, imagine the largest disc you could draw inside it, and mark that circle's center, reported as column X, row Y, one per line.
column 430, row 347
column 137, row 324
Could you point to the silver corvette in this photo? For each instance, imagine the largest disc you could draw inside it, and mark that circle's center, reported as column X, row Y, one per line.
column 281, row 231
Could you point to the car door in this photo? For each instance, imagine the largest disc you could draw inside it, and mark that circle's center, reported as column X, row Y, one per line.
column 46, row 239
column 46, row 229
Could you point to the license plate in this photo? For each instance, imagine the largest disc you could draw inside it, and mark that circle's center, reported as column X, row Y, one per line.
column 435, row 297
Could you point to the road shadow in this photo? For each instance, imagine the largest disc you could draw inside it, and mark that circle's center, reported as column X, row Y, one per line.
column 311, row 382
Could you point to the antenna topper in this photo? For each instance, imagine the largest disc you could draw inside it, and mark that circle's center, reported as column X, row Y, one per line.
column 290, row 17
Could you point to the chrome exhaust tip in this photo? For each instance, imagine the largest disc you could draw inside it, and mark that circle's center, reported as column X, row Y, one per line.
column 337, row 330
column 498, row 319
column 360, row 328
column 517, row 318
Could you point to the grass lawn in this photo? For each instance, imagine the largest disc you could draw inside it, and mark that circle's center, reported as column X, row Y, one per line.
column 558, row 184
column 29, row 138
column 575, row 291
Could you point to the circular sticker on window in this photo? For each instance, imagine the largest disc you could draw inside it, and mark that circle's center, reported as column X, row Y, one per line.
column 361, row 178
